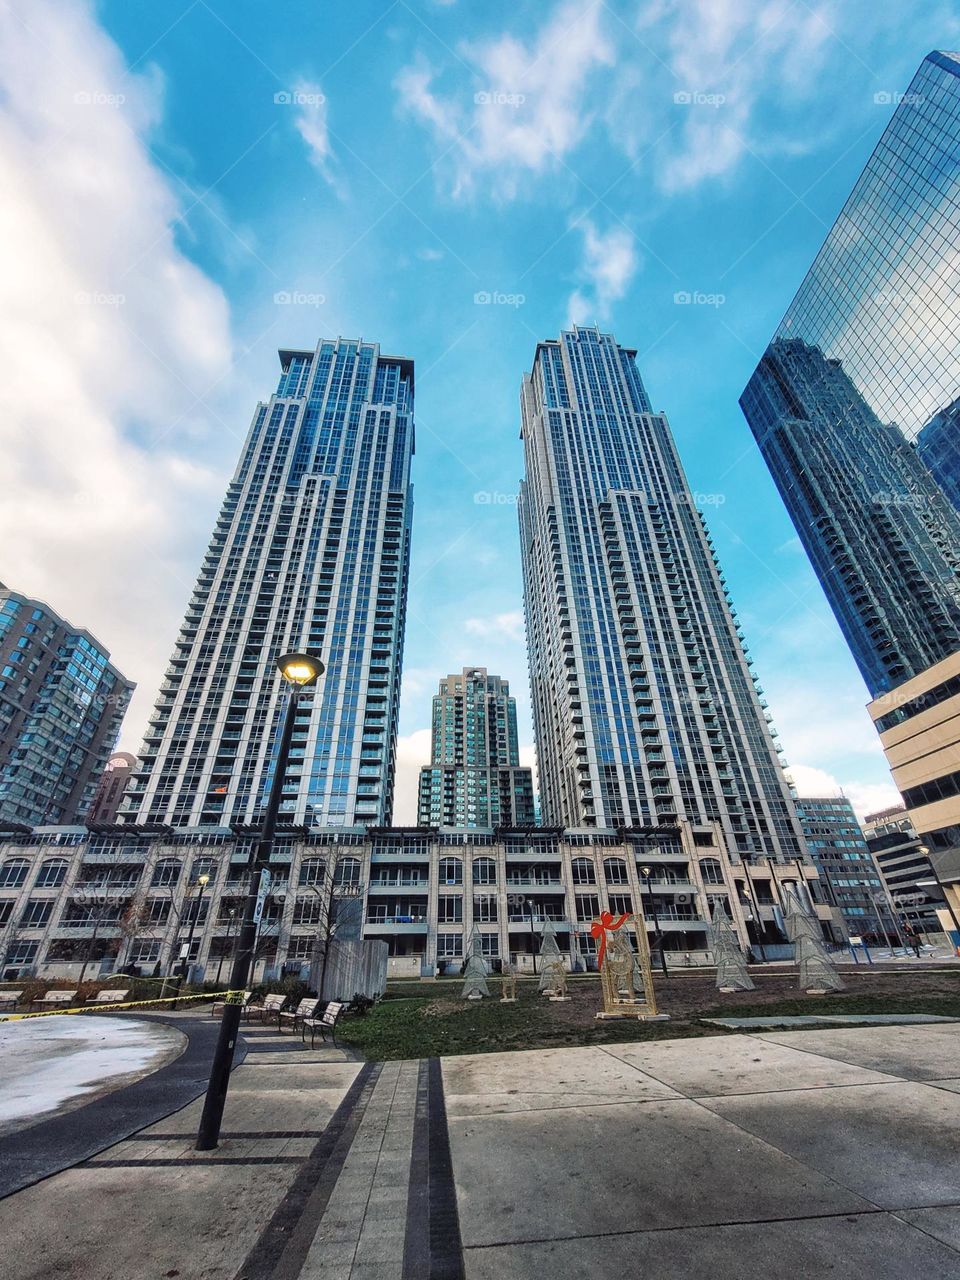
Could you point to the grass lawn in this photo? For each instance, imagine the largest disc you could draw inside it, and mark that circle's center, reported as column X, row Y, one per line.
column 422, row 1020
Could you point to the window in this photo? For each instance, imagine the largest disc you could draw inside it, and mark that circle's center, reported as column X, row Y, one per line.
column 301, row 946
column 347, row 872
column 485, row 908
column 621, row 904
column 145, row 951
column 21, row 953
column 584, row 871
column 166, row 872
column 489, row 944
column 50, row 875
column 450, row 909
column 711, row 871
column 312, row 871
column 13, row 873
column 451, row 871
column 615, row 871
column 484, row 871
column 307, row 911
column 203, row 867
column 36, row 914
column 588, row 906
column 449, row 944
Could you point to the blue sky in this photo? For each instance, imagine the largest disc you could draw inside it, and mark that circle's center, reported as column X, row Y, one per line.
column 193, row 184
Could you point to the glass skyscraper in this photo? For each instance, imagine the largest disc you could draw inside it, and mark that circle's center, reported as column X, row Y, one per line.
column 644, row 701
column 475, row 778
column 938, row 445
column 867, row 354
column 61, row 705
column 311, row 550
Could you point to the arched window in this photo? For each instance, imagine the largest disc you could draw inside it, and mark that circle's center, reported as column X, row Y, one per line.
column 451, row 871
column 13, row 873
column 711, row 871
column 203, row 867
column 615, row 871
column 484, row 871
column 347, row 873
column 312, row 870
column 584, row 872
column 166, row 873
column 51, row 875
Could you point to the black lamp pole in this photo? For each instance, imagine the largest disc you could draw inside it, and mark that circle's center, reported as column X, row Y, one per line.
column 184, row 966
column 645, row 871
column 299, row 670
column 533, row 936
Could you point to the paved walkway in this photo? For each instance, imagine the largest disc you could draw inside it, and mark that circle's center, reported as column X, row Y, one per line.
column 808, row 1153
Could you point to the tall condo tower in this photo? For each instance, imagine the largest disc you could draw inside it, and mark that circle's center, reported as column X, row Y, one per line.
column 311, row 550
column 644, row 703
column 474, row 778
column 865, row 356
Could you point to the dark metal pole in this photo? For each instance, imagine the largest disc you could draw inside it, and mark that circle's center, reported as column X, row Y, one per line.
column 656, row 927
column 209, row 1132
column 758, row 919
column 533, row 936
column 184, row 965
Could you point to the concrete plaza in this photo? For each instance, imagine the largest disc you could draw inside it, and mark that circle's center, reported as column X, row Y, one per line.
column 804, row 1153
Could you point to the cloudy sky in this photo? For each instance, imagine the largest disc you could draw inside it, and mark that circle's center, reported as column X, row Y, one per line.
column 190, row 185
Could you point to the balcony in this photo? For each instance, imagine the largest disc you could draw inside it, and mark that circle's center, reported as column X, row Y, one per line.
column 397, row 924
column 386, row 885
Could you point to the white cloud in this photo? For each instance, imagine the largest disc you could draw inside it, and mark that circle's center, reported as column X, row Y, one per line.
column 109, row 340
column 608, row 265
column 413, row 751
column 501, row 626
column 524, row 110
column 310, row 105
column 430, row 255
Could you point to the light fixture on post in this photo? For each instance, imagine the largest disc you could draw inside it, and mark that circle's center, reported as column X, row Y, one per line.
column 184, row 967
column 300, row 671
column 647, row 872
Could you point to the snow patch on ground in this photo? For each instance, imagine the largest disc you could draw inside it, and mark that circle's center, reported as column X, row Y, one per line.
column 58, row 1063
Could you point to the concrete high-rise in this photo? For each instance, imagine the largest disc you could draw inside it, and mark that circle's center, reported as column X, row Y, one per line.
column 109, row 794
column 474, row 778
column 311, row 550
column 644, row 702
column 61, row 705
column 847, row 870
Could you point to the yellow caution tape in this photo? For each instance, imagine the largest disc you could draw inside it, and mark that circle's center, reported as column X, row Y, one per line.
column 230, row 997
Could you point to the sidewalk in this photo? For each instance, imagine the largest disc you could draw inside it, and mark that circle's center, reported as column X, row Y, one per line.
column 808, row 1153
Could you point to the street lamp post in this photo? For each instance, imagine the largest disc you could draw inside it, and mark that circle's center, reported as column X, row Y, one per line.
column 299, row 670
column 184, row 967
column 646, row 872
column 533, row 936
column 231, row 914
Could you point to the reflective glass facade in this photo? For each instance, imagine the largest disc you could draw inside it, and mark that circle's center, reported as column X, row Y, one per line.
column 938, row 446
column 311, row 550
column 644, row 701
column 61, row 705
column 865, row 356
column 474, row 778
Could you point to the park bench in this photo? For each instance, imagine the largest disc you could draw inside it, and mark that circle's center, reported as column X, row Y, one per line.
column 305, row 1009
column 10, row 999
column 219, row 1005
column 326, row 1022
column 272, row 1004
column 113, row 996
column 57, row 998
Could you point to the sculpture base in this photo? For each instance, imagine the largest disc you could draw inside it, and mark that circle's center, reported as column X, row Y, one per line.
column 558, row 999
column 474, row 995
column 639, row 1014
column 508, row 999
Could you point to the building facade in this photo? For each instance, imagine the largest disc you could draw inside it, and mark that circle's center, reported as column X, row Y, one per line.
column 938, row 447
column 850, row 879
column 78, row 902
column 474, row 778
column 864, row 357
column 61, row 705
column 901, row 858
column 310, row 551
column 645, row 705
column 109, row 793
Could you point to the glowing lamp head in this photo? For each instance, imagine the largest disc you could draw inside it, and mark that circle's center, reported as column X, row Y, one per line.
column 203, row 880
column 300, row 669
